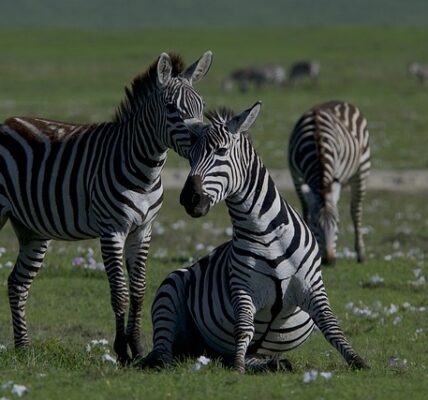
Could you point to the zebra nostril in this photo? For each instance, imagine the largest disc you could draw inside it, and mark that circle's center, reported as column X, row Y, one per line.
column 196, row 198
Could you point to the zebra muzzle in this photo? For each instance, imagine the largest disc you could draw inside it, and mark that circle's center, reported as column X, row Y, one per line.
column 196, row 203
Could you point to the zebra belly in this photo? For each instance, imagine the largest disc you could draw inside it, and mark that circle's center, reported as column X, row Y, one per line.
column 211, row 309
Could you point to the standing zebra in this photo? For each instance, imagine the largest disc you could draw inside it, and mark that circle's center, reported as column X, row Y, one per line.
column 329, row 148
column 72, row 182
column 261, row 292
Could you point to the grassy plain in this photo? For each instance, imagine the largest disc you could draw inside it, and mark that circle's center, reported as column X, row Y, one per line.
column 79, row 76
column 69, row 307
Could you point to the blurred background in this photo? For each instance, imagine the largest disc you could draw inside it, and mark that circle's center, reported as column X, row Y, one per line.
column 71, row 60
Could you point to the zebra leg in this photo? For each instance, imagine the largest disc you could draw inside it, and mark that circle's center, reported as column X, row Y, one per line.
column 318, row 307
column 357, row 195
column 112, row 252
column 258, row 363
column 172, row 333
column 136, row 250
column 28, row 264
column 244, row 311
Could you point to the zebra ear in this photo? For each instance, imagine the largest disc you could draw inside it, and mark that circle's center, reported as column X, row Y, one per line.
column 196, row 71
column 164, row 69
column 242, row 122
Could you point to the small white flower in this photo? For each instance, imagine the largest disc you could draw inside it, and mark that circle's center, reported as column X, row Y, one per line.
column 2, row 348
column 310, row 376
column 419, row 331
column 392, row 309
column 396, row 320
column 107, row 358
column 18, row 390
column 199, row 246
column 196, row 367
column 349, row 306
column 387, row 257
column 419, row 282
column 203, row 360
column 376, row 279
column 326, row 375
column 417, row 272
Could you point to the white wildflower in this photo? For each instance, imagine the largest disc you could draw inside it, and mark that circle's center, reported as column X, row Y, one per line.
column 396, row 362
column 396, row 320
column 107, row 358
column 200, row 362
column 199, row 246
column 417, row 272
column 18, row 390
column 392, row 309
column 419, row 282
column 310, row 376
column 419, row 331
column 2, row 348
column 203, row 360
column 376, row 279
column 326, row 375
column 387, row 257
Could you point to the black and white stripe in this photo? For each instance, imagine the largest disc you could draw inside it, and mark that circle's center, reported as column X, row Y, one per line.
column 260, row 293
column 72, row 182
column 329, row 148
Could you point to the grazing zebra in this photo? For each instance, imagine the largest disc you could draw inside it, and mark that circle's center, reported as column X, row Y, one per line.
column 71, row 182
column 261, row 292
column 257, row 76
column 305, row 69
column 329, row 148
column 420, row 71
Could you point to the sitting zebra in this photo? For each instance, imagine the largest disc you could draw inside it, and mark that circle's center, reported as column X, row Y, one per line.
column 260, row 293
column 71, row 182
column 329, row 148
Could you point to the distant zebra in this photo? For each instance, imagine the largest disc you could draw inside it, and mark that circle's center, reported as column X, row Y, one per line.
column 71, row 182
column 420, row 71
column 329, row 148
column 258, row 294
column 305, row 70
column 244, row 78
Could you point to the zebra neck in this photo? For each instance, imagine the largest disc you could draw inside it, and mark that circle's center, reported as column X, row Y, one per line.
column 140, row 152
column 258, row 210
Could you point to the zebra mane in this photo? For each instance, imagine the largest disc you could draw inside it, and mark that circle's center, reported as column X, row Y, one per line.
column 220, row 115
column 142, row 86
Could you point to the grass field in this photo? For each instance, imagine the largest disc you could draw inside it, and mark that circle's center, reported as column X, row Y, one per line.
column 79, row 76
column 69, row 307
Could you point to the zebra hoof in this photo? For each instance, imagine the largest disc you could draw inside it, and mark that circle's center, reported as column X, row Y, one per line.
column 154, row 360
column 284, row 365
column 358, row 363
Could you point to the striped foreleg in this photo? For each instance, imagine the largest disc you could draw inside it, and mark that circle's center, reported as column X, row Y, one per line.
column 112, row 252
column 318, row 307
column 28, row 264
column 136, row 251
column 244, row 311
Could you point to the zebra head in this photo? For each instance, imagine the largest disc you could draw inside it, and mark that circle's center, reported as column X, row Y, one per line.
column 323, row 219
column 183, row 103
column 219, row 159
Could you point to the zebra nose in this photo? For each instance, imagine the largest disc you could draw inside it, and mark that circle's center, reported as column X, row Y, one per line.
column 194, row 201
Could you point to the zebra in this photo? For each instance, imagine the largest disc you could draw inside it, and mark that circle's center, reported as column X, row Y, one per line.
column 329, row 148
column 305, row 69
column 262, row 292
column 71, row 182
column 420, row 71
column 273, row 74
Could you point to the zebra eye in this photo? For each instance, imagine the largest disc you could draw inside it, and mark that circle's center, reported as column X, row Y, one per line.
column 222, row 151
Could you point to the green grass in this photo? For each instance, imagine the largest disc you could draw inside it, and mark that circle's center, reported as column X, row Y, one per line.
column 69, row 306
column 79, row 76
